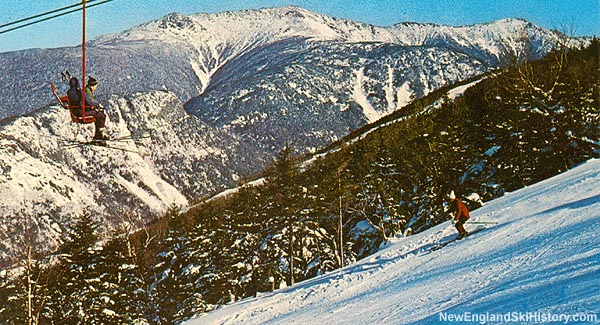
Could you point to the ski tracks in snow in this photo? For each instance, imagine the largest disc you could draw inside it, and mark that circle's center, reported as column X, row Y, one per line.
column 541, row 257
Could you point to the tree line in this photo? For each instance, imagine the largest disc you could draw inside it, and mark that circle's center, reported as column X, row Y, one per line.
column 518, row 125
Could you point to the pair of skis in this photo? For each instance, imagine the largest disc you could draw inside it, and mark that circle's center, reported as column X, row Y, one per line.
column 107, row 143
column 443, row 244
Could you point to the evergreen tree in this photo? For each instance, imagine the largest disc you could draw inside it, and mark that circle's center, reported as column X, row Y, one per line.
column 202, row 270
column 283, row 179
column 529, row 122
column 165, row 293
column 122, row 283
column 78, row 297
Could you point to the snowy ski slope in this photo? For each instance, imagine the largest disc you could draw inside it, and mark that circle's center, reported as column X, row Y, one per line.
column 541, row 262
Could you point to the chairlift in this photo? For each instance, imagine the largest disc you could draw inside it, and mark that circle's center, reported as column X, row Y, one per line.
column 77, row 110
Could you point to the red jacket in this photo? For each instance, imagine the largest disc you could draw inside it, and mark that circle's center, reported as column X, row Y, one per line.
column 461, row 211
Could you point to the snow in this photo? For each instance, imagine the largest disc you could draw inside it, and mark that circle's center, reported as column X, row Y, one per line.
column 459, row 91
column 361, row 98
column 203, row 76
column 404, row 96
column 389, row 89
column 540, row 262
column 228, row 192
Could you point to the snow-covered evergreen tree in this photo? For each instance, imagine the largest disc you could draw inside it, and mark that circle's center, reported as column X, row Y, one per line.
column 78, row 296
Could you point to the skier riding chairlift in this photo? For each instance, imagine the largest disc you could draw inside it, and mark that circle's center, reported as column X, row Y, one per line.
column 92, row 107
column 87, row 109
column 93, row 111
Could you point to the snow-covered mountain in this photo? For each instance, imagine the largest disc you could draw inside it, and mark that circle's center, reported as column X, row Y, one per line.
column 288, row 74
column 218, row 94
column 191, row 55
column 46, row 179
column 537, row 264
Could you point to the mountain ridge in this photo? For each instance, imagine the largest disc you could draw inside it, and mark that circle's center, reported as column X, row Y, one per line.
column 482, row 135
column 217, row 108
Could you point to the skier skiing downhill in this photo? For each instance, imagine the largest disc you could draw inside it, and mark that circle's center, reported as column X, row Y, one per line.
column 461, row 216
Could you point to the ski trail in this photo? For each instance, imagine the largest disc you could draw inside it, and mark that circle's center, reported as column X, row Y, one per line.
column 541, row 257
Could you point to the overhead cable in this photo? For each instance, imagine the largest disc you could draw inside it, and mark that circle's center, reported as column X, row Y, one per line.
column 101, row 2
column 43, row 14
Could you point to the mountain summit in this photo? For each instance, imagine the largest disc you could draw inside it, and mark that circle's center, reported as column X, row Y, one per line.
column 218, row 94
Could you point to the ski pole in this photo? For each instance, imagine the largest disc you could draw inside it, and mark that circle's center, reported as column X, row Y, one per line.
column 483, row 222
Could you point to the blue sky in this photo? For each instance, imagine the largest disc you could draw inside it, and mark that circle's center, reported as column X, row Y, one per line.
column 579, row 16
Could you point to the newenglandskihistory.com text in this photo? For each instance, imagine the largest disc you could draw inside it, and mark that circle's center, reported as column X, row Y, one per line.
column 520, row 317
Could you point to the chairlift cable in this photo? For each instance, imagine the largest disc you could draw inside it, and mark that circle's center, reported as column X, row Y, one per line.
column 48, row 18
column 43, row 14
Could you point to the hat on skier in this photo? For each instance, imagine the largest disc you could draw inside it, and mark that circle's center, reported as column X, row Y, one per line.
column 451, row 196
column 92, row 81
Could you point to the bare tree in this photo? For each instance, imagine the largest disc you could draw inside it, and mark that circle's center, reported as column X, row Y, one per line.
column 29, row 269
